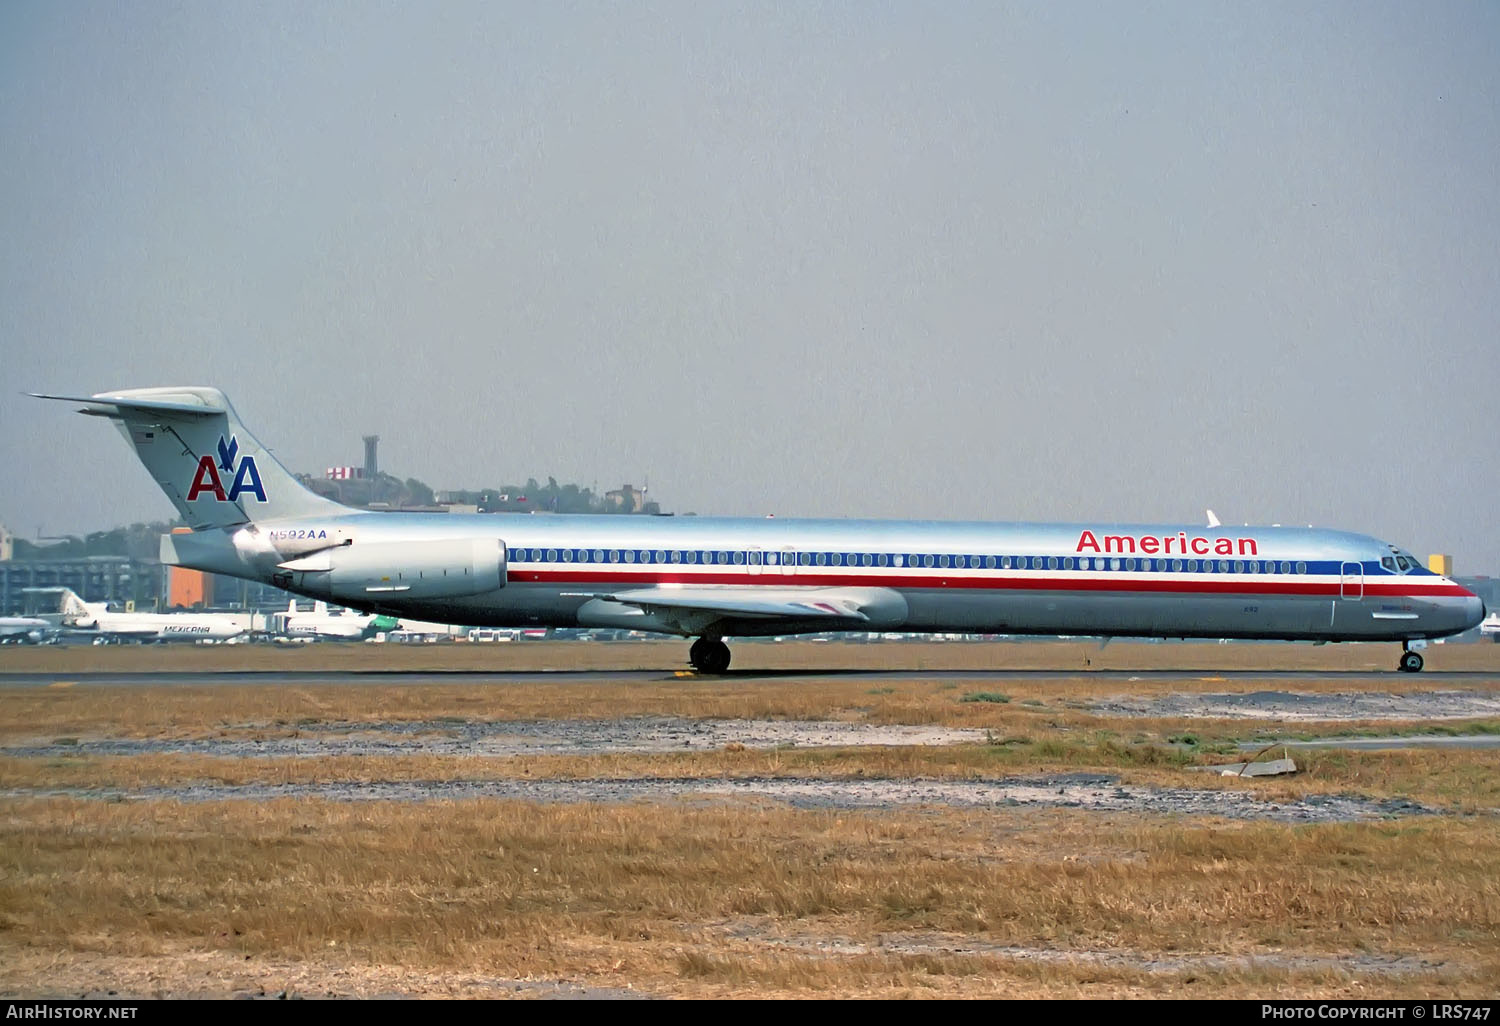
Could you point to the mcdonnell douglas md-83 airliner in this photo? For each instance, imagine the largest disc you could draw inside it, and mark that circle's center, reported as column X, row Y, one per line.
column 713, row 578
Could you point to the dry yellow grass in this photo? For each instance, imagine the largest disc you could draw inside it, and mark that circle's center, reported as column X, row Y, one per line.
column 1456, row 780
column 1041, row 702
column 738, row 899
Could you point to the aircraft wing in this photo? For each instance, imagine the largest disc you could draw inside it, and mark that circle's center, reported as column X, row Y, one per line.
column 688, row 609
column 25, row 626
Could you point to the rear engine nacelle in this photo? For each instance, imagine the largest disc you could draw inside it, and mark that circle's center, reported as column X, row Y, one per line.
column 397, row 570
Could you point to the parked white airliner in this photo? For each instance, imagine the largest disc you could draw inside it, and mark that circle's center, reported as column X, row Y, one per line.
column 28, row 629
column 321, row 625
column 77, row 617
column 712, row 578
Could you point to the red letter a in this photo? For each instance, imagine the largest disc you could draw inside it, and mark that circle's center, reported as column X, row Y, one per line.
column 206, row 480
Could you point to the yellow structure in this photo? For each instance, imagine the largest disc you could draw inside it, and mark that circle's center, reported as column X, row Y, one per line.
column 1440, row 564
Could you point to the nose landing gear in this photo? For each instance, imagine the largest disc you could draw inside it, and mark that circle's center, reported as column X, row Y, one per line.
column 1411, row 662
column 709, row 655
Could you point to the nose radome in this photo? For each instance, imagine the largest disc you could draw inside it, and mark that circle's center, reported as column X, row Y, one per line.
column 1474, row 610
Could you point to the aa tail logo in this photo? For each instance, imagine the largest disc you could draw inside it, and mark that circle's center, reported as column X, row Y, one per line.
column 246, row 475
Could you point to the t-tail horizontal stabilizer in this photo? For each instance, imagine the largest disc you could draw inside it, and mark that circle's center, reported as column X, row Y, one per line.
column 213, row 470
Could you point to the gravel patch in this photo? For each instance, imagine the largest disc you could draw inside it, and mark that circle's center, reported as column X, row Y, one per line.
column 1305, row 706
column 632, row 735
column 1093, row 792
column 931, row 943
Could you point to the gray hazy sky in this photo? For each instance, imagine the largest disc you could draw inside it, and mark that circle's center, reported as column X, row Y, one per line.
column 1052, row 261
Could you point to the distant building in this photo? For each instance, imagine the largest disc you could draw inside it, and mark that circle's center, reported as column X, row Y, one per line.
column 372, row 465
column 7, row 545
column 344, row 473
column 114, row 579
column 1440, row 564
column 627, row 497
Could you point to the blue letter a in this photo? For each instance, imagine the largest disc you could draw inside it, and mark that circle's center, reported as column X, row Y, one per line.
column 247, row 479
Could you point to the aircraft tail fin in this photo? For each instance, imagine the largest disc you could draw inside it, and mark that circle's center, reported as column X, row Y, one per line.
column 215, row 472
column 58, row 602
column 75, row 611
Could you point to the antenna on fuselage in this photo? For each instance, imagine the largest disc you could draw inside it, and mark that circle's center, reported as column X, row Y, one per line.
column 1213, row 521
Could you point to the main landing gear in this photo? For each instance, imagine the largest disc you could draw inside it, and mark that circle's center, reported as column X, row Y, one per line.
column 709, row 655
column 1411, row 662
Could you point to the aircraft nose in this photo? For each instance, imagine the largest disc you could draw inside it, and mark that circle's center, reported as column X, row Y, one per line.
column 1474, row 611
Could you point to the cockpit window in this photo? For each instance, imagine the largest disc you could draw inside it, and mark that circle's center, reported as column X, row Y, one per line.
column 1389, row 562
column 1403, row 563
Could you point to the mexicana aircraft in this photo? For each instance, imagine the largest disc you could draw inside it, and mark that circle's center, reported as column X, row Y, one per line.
column 76, row 617
column 713, row 578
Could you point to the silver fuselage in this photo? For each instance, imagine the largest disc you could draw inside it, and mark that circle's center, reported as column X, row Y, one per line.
column 991, row 578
